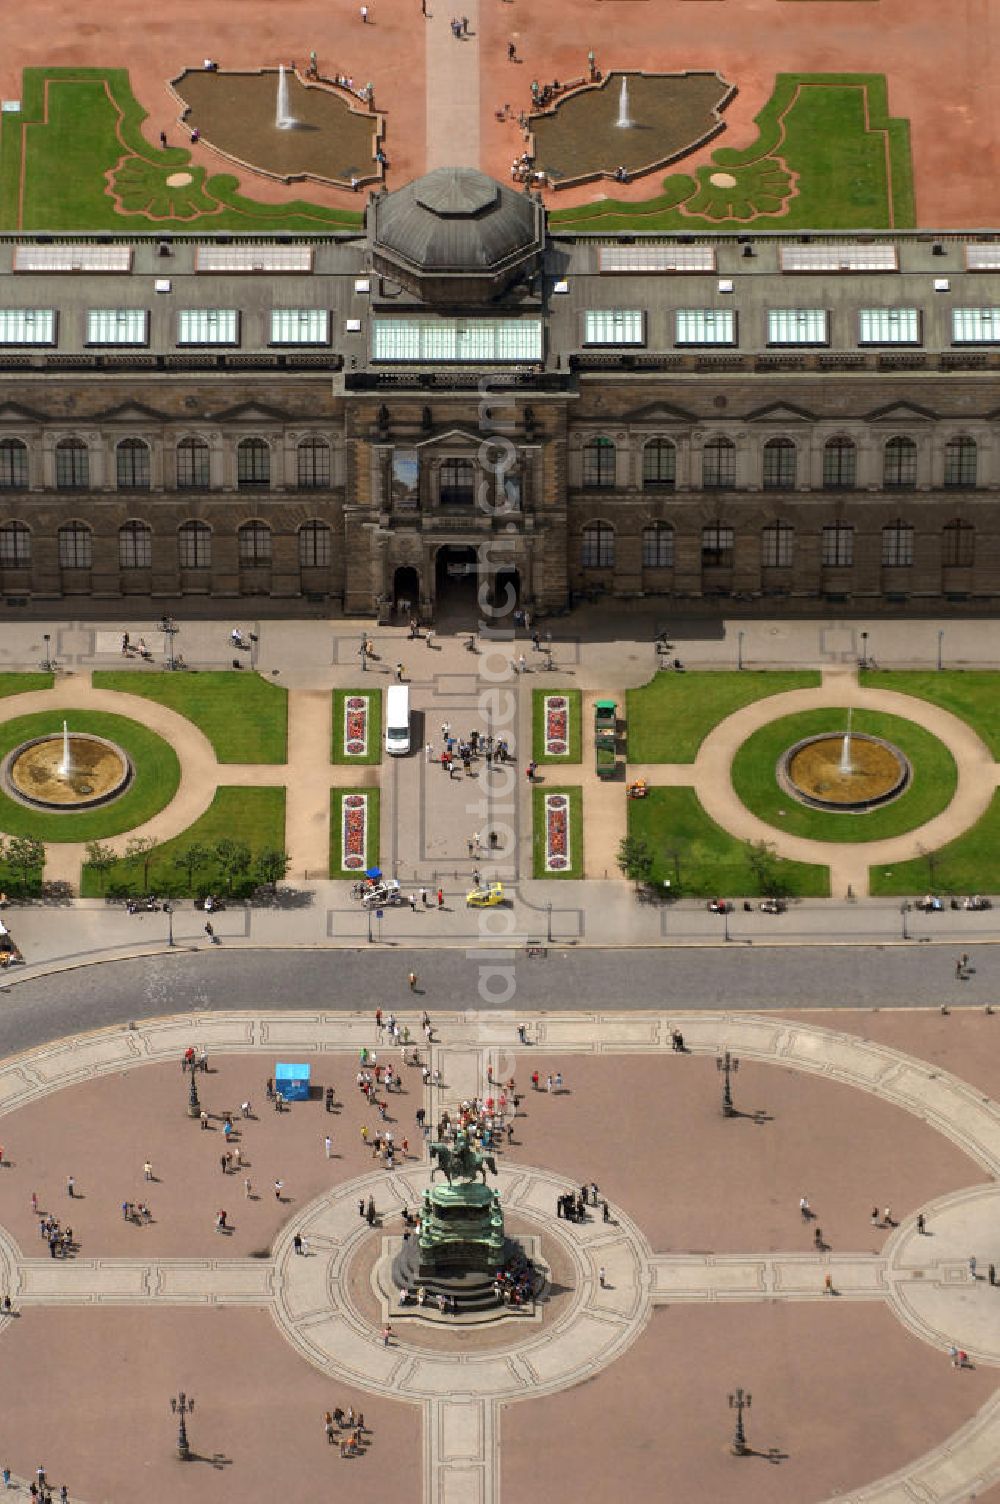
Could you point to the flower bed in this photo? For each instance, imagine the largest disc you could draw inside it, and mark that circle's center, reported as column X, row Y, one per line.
column 354, row 832
column 356, row 726
column 556, row 726
column 557, row 852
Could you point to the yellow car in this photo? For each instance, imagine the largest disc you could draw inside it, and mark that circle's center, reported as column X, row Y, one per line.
column 485, row 898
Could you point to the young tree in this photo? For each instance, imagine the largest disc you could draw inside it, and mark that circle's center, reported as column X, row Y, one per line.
column 234, row 859
column 762, row 859
column 190, row 858
column 635, row 860
column 140, row 849
column 102, row 859
column 26, row 856
column 271, row 866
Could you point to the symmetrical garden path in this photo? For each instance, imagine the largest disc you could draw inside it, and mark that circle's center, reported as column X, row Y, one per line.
column 451, row 87
column 849, row 862
column 923, row 1281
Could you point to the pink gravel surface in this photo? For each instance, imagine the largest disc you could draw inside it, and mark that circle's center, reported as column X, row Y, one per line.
column 650, row 1131
column 87, row 1392
column 841, row 1391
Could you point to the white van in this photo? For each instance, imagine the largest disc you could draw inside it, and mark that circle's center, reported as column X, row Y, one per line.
column 397, row 720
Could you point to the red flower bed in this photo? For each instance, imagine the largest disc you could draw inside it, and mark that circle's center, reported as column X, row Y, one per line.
column 356, row 726
column 556, row 726
column 354, row 826
column 556, row 832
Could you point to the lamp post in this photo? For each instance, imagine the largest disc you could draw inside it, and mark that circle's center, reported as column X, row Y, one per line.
column 864, row 650
column 728, row 1065
column 194, row 1105
column 739, row 649
column 904, row 909
column 168, row 909
column 363, row 650
column 182, row 1406
column 48, row 665
column 940, row 648
column 548, row 922
column 169, row 628
column 739, row 1402
column 369, row 911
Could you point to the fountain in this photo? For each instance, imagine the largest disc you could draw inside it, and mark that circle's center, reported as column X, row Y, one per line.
column 66, row 763
column 283, row 117
column 66, row 771
column 846, row 766
column 624, row 121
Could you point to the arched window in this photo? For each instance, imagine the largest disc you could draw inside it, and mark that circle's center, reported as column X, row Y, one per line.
column 255, row 545
column 599, row 463
column 718, row 464
column 658, row 546
column 900, row 464
column 457, row 484
column 15, row 545
column 717, row 546
column 135, row 546
column 897, row 545
column 659, row 464
column 313, row 455
column 314, row 545
column 838, row 545
column 76, row 546
column 840, row 464
column 132, row 462
column 777, row 545
column 194, row 545
column 72, row 465
column 13, row 464
column 779, row 465
column 960, row 461
column 958, row 544
column 193, row 471
column 253, row 463
column 597, row 546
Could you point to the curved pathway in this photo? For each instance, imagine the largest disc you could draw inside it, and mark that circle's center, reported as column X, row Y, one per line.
column 925, row 1281
column 711, row 777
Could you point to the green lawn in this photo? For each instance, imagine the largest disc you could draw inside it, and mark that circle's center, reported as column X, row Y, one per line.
column 573, row 698
column 669, row 718
column 830, row 129
column 244, row 716
column 374, row 831
column 969, row 864
column 82, row 128
column 973, row 696
column 253, row 816
column 157, row 774
column 701, row 859
column 24, row 684
column 575, row 794
column 934, row 776
column 374, row 753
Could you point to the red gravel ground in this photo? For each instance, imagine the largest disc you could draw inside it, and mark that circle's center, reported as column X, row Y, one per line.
column 87, row 1392
column 842, row 1392
column 955, row 123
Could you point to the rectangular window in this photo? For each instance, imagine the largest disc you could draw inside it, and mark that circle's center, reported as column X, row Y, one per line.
column 889, row 326
column 73, row 258
column 797, row 326
column 776, row 547
column 838, row 258
column 717, row 547
column 705, row 326
column 426, row 341
column 253, row 258
column 208, row 326
column 194, row 546
column 300, row 326
column 975, row 326
column 27, row 326
column 656, row 258
column 838, row 546
column 658, row 548
column 135, row 548
column 613, row 326
column 117, row 326
column 982, row 258
column 15, row 545
column 897, row 547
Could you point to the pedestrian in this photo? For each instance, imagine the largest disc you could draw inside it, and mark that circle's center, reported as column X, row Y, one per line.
column 204, row 1118
column 558, row 1081
column 6, row 1477
column 423, row 897
column 804, row 1208
column 399, row 673
column 364, row 15
column 964, row 960
column 953, row 1355
column 818, row 1243
column 828, row 1284
column 412, row 979
column 593, row 1193
column 209, row 931
column 921, row 1223
column 297, row 1242
column 328, row 1427
column 605, row 1212
column 70, row 1186
column 887, row 1217
column 386, row 1334
column 440, row 898
column 548, row 1083
column 34, row 1203
column 279, row 1186
column 972, row 1268
column 958, row 970
column 147, row 1170
column 992, row 1274
column 247, row 1188
column 874, row 1216
column 534, row 1080
column 429, row 752
column 328, row 1146
column 413, row 903
column 521, row 664
column 602, row 1277
column 245, row 1108
column 223, row 1162
column 370, row 1211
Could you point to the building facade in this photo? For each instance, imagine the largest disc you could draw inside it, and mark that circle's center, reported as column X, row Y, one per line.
column 457, row 396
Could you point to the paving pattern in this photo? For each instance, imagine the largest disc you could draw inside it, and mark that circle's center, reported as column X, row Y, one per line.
column 923, row 1279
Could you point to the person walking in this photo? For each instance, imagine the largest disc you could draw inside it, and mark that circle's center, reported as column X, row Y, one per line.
column 440, row 898
column 992, row 1274
column 386, row 1334
column 210, row 932
column 602, row 1277
column 364, row 15
column 399, row 673
column 972, row 1268
column 147, row 1169
column 247, row 1188
column 412, row 979
column 874, row 1216
column 423, row 897
column 828, row 1284
column 804, row 1208
column 328, row 1146
column 279, row 1186
column 70, row 1186
column 921, row 1223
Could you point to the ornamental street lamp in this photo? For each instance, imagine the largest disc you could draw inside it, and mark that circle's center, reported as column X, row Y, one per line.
column 168, row 909
column 904, row 909
column 728, row 1065
column 182, row 1406
column 940, row 648
column 48, row 665
column 194, row 1106
column 864, row 650
column 739, row 1402
column 169, row 629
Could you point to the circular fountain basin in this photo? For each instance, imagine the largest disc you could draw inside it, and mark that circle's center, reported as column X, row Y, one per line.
column 99, row 772
column 812, row 772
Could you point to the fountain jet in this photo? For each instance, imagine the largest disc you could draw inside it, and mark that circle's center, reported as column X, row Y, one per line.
column 846, row 765
column 66, row 764
column 624, row 121
column 283, row 117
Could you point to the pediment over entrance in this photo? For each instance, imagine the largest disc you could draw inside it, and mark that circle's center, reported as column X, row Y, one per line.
column 901, row 412
column 463, row 437
column 251, row 412
column 658, row 412
column 780, row 412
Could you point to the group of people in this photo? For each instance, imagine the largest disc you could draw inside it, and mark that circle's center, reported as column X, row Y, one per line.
column 515, row 1285
column 59, row 1239
column 572, row 1205
column 346, row 1429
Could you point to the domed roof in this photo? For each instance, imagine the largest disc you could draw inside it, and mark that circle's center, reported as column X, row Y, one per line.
column 456, row 220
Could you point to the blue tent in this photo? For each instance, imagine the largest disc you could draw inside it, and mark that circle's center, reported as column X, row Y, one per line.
column 292, row 1081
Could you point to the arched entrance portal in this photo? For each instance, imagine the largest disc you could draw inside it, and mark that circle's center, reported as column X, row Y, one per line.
column 457, row 586
column 406, row 590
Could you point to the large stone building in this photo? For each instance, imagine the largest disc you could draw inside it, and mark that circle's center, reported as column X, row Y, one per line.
column 458, row 394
